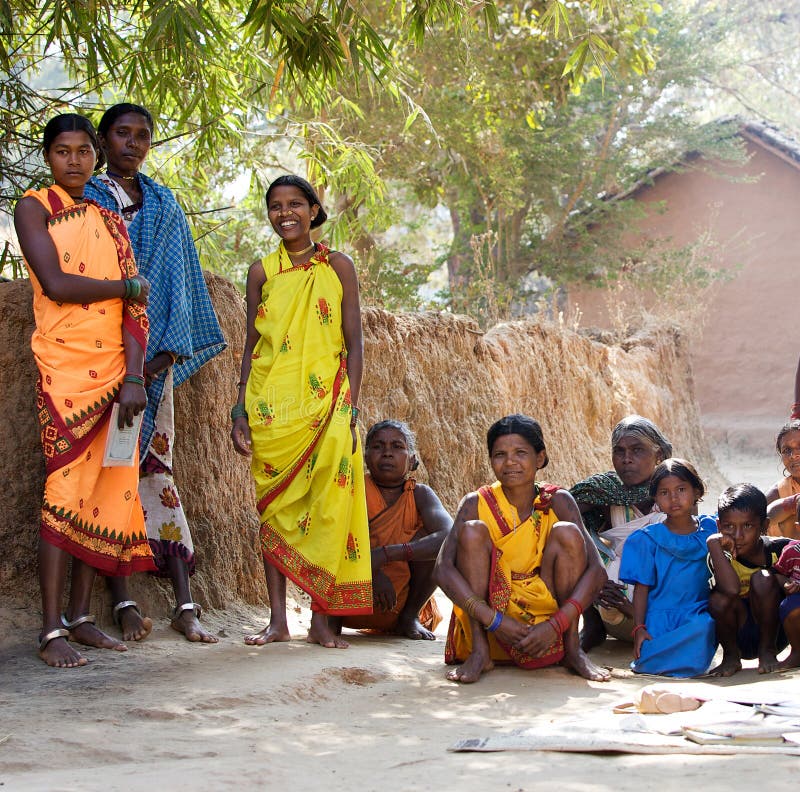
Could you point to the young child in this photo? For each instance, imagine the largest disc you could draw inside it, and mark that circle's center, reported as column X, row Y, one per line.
column 746, row 595
column 674, row 632
column 784, row 496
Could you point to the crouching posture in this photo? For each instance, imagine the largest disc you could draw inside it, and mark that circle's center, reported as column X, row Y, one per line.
column 518, row 565
column 747, row 597
column 407, row 525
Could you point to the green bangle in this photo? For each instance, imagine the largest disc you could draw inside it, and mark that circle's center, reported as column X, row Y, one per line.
column 134, row 379
column 133, row 288
column 353, row 415
column 238, row 411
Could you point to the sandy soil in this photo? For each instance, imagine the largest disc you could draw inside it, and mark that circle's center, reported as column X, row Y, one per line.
column 378, row 716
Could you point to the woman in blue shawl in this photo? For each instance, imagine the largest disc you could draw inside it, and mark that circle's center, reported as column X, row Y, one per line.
column 184, row 334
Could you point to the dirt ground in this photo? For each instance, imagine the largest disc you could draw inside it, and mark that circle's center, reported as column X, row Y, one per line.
column 377, row 716
column 168, row 715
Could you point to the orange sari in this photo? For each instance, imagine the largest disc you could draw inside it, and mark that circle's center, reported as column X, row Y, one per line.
column 394, row 524
column 92, row 512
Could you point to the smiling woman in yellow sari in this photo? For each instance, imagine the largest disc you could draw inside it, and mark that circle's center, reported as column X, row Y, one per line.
column 296, row 414
column 518, row 565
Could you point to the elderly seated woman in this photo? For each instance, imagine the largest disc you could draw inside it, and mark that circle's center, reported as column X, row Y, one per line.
column 613, row 505
column 518, row 565
column 407, row 525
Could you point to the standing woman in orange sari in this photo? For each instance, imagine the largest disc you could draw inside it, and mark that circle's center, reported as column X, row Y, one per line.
column 89, row 342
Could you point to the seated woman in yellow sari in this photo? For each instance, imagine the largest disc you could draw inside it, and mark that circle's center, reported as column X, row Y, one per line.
column 407, row 525
column 296, row 414
column 89, row 342
column 518, row 565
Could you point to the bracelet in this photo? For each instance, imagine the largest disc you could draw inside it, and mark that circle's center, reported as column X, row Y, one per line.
column 353, row 415
column 496, row 621
column 470, row 605
column 575, row 604
column 637, row 628
column 134, row 379
column 385, row 554
column 560, row 622
column 407, row 549
column 238, row 411
column 133, row 288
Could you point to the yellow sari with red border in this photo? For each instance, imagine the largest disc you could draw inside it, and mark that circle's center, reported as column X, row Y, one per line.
column 515, row 587
column 89, row 511
column 309, row 482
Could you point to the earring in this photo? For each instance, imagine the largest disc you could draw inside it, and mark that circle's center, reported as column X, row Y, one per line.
column 786, row 473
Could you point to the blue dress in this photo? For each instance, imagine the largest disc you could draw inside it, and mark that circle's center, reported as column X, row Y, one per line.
column 675, row 568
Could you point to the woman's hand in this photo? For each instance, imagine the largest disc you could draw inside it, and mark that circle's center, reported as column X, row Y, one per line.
column 144, row 294
column 613, row 596
column 384, row 597
column 354, row 434
column 240, row 434
column 160, row 362
column 132, row 400
column 538, row 639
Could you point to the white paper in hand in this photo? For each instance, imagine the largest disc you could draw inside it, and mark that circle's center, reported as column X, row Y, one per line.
column 121, row 443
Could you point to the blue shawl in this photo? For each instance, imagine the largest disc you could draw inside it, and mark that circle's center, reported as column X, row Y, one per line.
column 182, row 318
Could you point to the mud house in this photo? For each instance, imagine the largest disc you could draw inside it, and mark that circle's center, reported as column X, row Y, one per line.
column 745, row 355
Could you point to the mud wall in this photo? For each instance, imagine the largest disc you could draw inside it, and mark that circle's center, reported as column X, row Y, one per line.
column 440, row 373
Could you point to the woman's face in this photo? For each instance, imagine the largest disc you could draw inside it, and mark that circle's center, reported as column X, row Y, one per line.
column 126, row 143
column 634, row 459
column 290, row 213
column 790, row 453
column 515, row 461
column 387, row 457
column 71, row 158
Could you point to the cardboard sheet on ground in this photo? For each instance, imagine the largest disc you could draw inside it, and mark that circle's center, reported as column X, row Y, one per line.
column 763, row 717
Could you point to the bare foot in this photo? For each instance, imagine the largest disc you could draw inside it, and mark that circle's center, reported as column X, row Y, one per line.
column 90, row 635
column 59, row 654
column 767, row 662
column 580, row 663
column 270, row 634
column 188, row 624
column 472, row 669
column 594, row 631
column 321, row 633
column 134, row 626
column 731, row 664
column 412, row 628
column 792, row 661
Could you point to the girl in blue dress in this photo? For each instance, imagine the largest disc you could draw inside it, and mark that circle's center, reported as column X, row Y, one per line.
column 674, row 633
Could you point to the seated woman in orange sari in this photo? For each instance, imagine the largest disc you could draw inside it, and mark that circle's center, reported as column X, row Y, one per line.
column 89, row 342
column 518, row 565
column 407, row 525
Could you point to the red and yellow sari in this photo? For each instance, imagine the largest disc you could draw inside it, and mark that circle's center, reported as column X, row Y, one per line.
column 309, row 482
column 515, row 587
column 90, row 511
